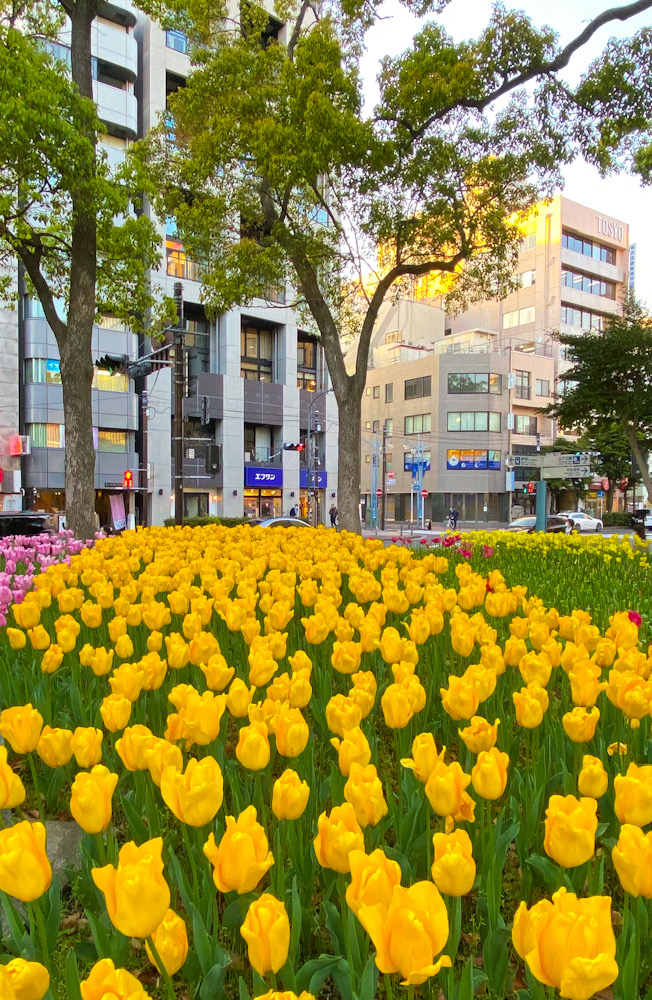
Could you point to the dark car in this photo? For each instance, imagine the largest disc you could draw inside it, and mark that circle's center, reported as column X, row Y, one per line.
column 24, row 522
column 553, row 523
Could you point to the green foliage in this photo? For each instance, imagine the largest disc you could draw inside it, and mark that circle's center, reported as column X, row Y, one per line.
column 617, row 519
column 198, row 522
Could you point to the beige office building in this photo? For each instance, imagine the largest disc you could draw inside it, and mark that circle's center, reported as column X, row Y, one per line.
column 468, row 389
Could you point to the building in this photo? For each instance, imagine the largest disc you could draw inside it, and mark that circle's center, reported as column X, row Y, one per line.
column 253, row 382
column 468, row 390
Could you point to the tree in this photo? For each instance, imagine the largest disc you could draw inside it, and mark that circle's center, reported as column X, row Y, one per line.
column 578, row 487
column 66, row 218
column 279, row 175
column 612, row 454
column 611, row 380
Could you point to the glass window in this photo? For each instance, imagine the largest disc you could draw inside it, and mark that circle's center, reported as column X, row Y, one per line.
column 47, row 435
column 419, row 424
column 415, row 388
column 543, row 387
column 395, row 337
column 586, row 283
column 474, row 421
column 523, row 388
column 257, row 349
column 527, row 278
column 368, row 425
column 528, row 243
column 35, row 369
column 582, row 318
column 510, row 319
column 367, row 391
column 525, row 425
column 107, row 321
column 307, row 364
column 519, row 317
column 389, row 392
column 471, row 382
column 178, row 264
column 375, row 426
column 589, row 248
column 115, row 441
column 110, row 383
column 454, row 421
column 376, row 392
column 367, row 459
column 176, row 40
column 494, row 421
column 389, row 426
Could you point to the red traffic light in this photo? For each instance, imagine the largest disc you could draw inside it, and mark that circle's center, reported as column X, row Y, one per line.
column 127, row 480
column 530, row 487
column 300, row 446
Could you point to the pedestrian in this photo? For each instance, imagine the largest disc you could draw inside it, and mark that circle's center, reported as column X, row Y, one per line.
column 294, row 511
column 452, row 517
column 333, row 514
column 569, row 526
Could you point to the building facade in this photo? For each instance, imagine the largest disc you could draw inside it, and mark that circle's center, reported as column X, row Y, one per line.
column 253, row 382
column 468, row 390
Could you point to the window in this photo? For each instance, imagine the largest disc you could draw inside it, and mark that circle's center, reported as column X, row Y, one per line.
column 178, row 264
column 389, row 427
column 471, row 382
column 47, row 435
column 528, row 243
column 114, row 441
column 589, row 248
column 110, row 383
column 376, row 392
column 367, row 459
column 518, row 317
column 480, row 421
column 586, row 283
column 176, row 40
column 389, row 457
column 35, row 369
column 448, row 332
column 367, row 391
column 306, row 364
column 395, row 337
column 543, row 387
column 525, row 425
column 34, row 309
column 389, row 392
column 415, row 388
column 582, row 318
column 259, row 443
column 527, row 278
column 410, row 458
column 523, row 387
column 257, row 352
column 367, row 425
column 375, row 426
column 464, row 460
column 419, row 424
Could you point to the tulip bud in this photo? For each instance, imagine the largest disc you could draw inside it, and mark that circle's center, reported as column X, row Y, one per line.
column 25, row 980
column 453, row 870
column 21, row 727
column 373, row 878
column 489, row 775
column 353, row 748
column 632, row 858
column 55, row 746
column 570, row 829
column 593, row 780
column 12, row 790
column 90, row 800
column 171, row 942
column 25, row 870
column 243, row 855
column 290, row 795
column 105, row 982
column 266, row 929
column 364, row 791
column 252, row 749
column 115, row 711
column 480, row 735
column 291, row 732
column 87, row 746
column 136, row 894
column 579, row 724
column 633, row 790
column 337, row 835
column 195, row 795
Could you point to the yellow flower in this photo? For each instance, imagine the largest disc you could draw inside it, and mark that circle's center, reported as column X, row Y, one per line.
column 364, row 791
column 424, row 756
column 316, row 629
column 392, row 645
column 453, row 870
column 27, row 614
column 91, row 798
column 115, row 711
column 409, row 933
column 579, row 725
column 87, row 746
column 585, row 683
column 12, row 790
column 291, row 732
column 25, row 980
column 243, row 855
column 136, row 894
column 461, row 699
column 262, row 666
column 39, row 637
column 445, row 788
column 17, row 638
column 479, row 735
column 55, row 746
column 105, row 982
column 570, row 829
column 132, row 745
column 127, row 679
column 21, row 727
column 489, row 775
column 154, row 670
column 337, row 835
column 535, row 667
column 634, row 795
column 290, row 795
column 253, row 746
column 266, row 929
column 238, row 698
column 101, row 661
column 515, row 650
column 158, row 755
column 195, row 795
column 593, row 780
column 531, row 703
column 217, row 672
column 373, row 877
column 171, row 942
column 353, row 747
column 342, row 713
column 91, row 614
column 396, row 706
column 25, row 871
column 632, row 858
column 346, row 656
column 568, row 943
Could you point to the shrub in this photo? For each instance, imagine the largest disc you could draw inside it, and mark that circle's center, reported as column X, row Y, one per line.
column 619, row 519
column 200, row 522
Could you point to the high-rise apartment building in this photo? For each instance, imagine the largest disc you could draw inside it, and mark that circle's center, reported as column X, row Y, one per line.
column 467, row 390
column 253, row 381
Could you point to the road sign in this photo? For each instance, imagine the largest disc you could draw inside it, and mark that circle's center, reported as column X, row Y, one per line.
column 605, row 483
column 566, row 472
column 424, row 493
column 391, row 474
column 390, row 482
column 379, row 492
column 600, row 494
column 526, row 461
column 415, row 487
column 509, row 481
column 557, row 458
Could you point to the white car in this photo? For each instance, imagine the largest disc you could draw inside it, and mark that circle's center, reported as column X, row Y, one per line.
column 582, row 521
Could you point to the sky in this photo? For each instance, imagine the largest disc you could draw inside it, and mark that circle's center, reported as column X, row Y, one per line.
column 620, row 196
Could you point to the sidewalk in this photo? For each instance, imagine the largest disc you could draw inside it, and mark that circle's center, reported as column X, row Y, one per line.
column 404, row 530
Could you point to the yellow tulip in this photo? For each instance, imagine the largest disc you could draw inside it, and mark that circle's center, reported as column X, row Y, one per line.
column 39, row 637
column 531, row 704
column 535, row 667
column 291, row 732
column 12, row 790
column 461, row 699
column 25, row 871
column 17, row 638
column 445, row 789
column 24, row 980
column 171, row 942
column 21, row 727
column 396, row 706
column 158, row 755
column 217, row 672
column 453, row 870
column 424, row 756
column 353, row 747
column 252, row 749
column 243, row 855
column 489, row 775
column 364, row 791
column 55, row 746
column 91, row 798
column 290, row 795
column 479, row 735
column 373, row 877
column 105, row 982
column 115, row 711
column 266, row 929
column 579, row 725
column 91, row 614
column 342, row 713
column 136, row 894
column 87, row 746
column 132, row 745
column 570, row 829
column 337, row 835
column 27, row 614
column 632, row 858
column 238, row 698
column 633, row 790
column 101, row 661
column 592, row 780
column 194, row 796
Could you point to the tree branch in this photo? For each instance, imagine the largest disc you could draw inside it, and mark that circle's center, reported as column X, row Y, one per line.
column 296, row 31
column 31, row 262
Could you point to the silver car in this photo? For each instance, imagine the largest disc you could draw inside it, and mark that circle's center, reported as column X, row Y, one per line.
column 278, row 522
column 582, row 521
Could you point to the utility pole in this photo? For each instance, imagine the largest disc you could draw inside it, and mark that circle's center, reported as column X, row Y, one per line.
column 178, row 405
column 384, row 473
column 374, row 480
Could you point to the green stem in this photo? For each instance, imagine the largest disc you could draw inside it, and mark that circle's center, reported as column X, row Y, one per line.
column 191, row 859
column 410, row 992
column 35, row 909
column 272, row 977
column 39, row 804
column 99, row 840
column 429, row 844
column 163, row 972
column 345, row 929
column 388, row 986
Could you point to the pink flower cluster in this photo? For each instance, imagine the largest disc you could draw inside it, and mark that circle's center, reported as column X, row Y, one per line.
column 22, row 557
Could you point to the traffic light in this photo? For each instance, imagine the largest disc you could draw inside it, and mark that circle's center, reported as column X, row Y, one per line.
column 294, row 447
column 127, row 480
column 213, row 459
column 113, row 363
column 528, row 487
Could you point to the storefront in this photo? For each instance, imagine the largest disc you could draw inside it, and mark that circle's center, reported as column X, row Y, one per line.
column 319, row 490
column 263, row 493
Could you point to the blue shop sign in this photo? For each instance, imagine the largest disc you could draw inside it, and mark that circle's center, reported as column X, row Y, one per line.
column 264, row 478
column 318, row 480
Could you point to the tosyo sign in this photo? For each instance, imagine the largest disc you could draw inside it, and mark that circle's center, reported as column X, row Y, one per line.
column 611, row 228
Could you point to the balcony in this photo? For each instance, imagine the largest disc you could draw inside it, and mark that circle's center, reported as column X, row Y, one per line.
column 115, row 46
column 523, row 392
column 116, row 107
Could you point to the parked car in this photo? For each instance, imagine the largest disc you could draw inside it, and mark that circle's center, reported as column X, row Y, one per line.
column 24, row 522
column 645, row 514
column 554, row 523
column 277, row 522
column 582, row 521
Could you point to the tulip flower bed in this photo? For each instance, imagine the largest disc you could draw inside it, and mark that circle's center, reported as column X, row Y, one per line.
column 21, row 556
column 308, row 765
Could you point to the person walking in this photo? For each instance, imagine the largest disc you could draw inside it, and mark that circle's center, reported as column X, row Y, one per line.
column 333, row 515
column 452, row 518
column 294, row 511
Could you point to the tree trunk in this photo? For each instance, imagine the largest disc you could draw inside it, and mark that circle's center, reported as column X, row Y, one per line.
column 635, row 445
column 611, row 493
column 348, row 466
column 75, row 348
